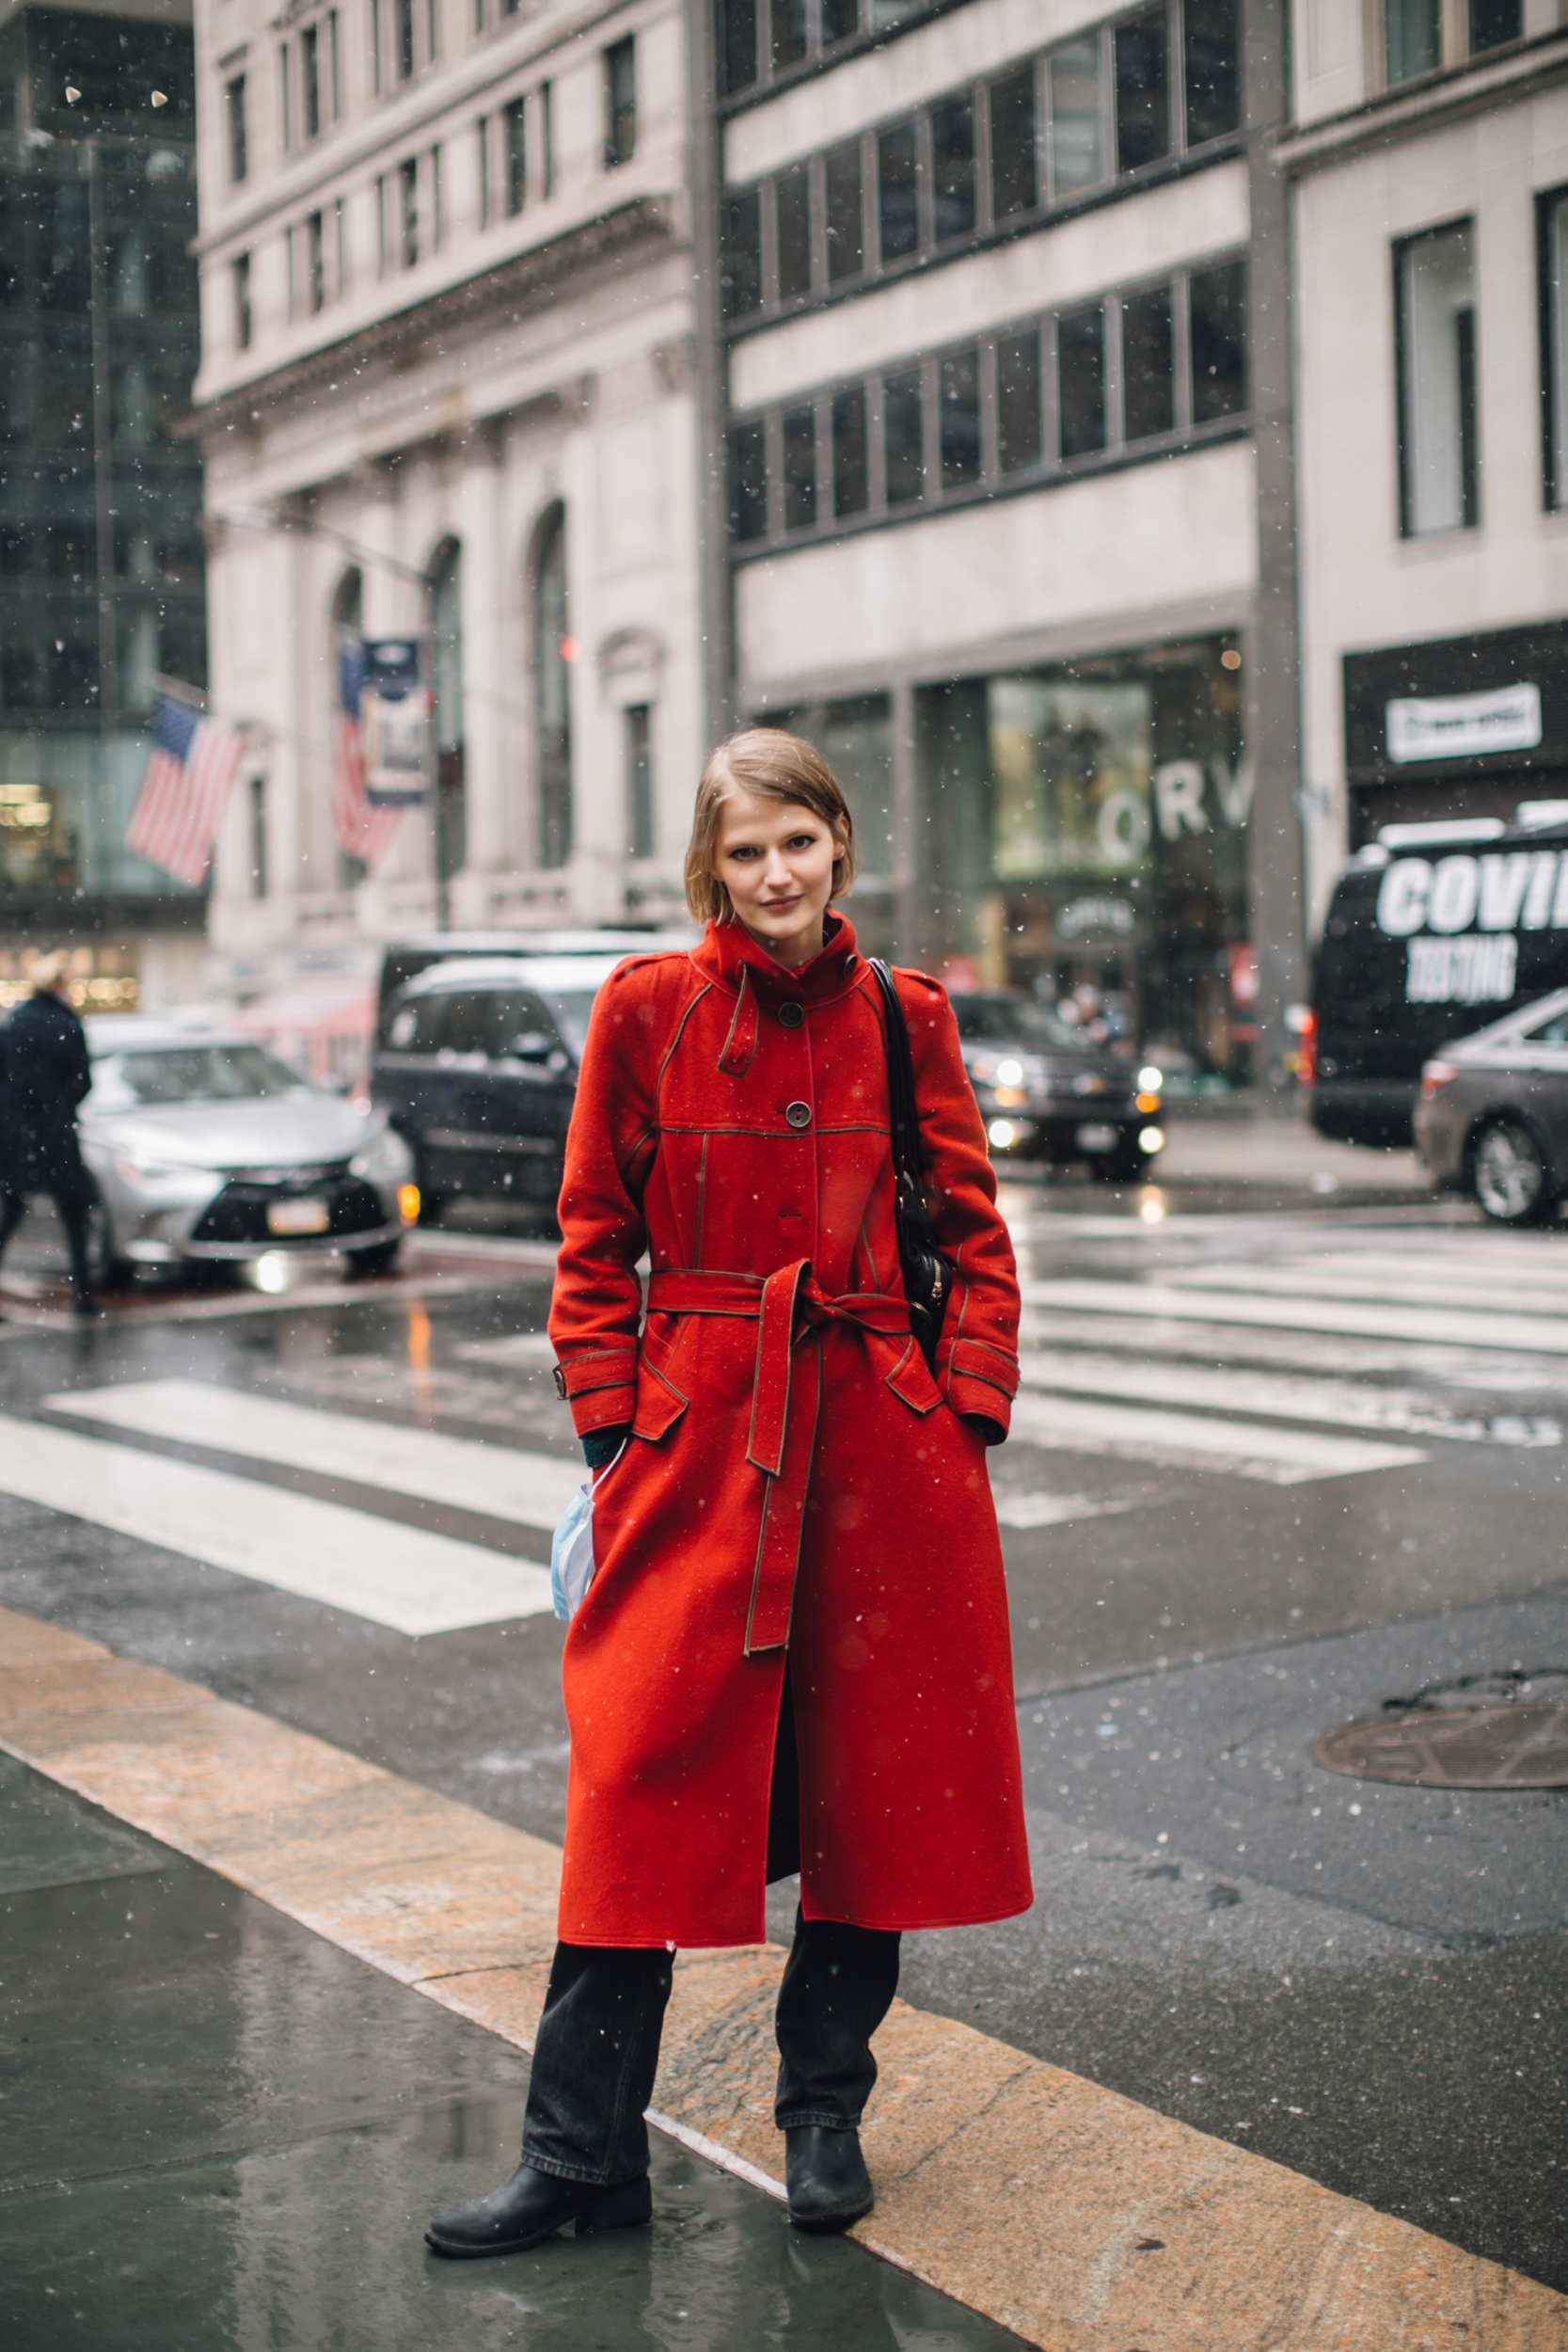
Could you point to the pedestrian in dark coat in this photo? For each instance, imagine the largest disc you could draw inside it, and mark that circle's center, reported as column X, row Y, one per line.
column 794, row 1653
column 44, row 1073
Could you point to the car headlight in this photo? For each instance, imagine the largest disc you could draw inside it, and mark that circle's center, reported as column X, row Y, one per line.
column 384, row 1160
column 144, row 1173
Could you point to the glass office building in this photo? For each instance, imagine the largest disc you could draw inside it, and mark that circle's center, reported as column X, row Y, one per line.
column 102, row 573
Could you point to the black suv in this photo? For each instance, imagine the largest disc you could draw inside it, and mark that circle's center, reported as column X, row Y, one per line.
column 1046, row 1094
column 477, row 1067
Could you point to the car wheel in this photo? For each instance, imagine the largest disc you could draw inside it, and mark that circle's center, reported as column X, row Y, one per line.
column 380, row 1259
column 1509, row 1171
column 106, row 1269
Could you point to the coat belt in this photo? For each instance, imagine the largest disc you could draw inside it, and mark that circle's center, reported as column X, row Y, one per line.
column 783, row 1306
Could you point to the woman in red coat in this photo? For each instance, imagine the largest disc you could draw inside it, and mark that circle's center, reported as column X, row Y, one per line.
column 794, row 1655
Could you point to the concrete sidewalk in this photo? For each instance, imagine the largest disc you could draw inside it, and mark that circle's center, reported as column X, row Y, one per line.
column 235, row 2108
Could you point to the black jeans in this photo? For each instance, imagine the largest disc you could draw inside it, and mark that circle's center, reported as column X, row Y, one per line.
column 598, row 2051
column 74, row 1210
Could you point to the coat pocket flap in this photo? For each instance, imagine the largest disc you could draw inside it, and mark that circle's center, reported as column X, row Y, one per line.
column 910, row 1379
column 659, row 1402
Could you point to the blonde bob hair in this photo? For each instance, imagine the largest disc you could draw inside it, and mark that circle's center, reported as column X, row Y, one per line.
column 770, row 765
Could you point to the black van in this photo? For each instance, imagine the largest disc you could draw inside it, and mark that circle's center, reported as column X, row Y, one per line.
column 406, row 959
column 1434, row 931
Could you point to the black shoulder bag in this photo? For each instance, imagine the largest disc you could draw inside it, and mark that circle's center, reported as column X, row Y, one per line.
column 928, row 1274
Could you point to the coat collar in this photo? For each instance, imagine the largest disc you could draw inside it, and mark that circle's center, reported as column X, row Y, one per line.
column 729, row 954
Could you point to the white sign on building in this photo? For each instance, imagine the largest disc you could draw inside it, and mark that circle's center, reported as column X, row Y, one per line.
column 1463, row 727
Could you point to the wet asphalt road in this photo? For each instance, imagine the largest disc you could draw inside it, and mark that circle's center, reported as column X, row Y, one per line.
column 1364, row 1983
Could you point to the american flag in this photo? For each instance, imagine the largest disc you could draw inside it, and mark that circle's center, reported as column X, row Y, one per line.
column 363, row 831
column 184, row 791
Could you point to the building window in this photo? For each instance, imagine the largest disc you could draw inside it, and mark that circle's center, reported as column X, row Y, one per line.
column 234, row 107
column 620, row 102
column 383, row 226
column 1412, row 39
column 335, row 63
column 851, row 454
column 1439, row 458
column 446, row 630
column 315, row 261
column 257, row 812
column 311, row 80
column 432, row 31
column 1554, row 349
column 1080, row 382
column 375, row 12
column 639, row 722
column 552, row 677
column 959, row 418
column 340, row 246
column 546, row 138
column 759, row 40
column 903, row 438
column 786, row 21
column 486, row 199
column 515, row 122
column 749, row 483
column 738, row 45
column 986, row 160
column 800, row 468
column 1147, row 365
column 1018, row 436
column 1493, row 23
column 437, row 202
column 285, row 97
column 405, row 37
column 1216, row 305
column 408, row 211
column 241, row 282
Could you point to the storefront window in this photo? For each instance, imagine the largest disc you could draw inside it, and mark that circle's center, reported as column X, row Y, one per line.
column 1082, row 830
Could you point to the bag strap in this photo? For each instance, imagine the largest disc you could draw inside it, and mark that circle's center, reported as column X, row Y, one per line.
column 907, row 1164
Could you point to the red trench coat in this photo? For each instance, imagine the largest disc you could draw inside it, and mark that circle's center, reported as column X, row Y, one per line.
column 796, row 1482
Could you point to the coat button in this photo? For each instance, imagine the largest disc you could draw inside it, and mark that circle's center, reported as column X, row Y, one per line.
column 798, row 1113
column 850, row 963
column 791, row 1013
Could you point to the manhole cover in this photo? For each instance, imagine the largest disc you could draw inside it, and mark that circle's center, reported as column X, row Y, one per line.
column 1523, row 1745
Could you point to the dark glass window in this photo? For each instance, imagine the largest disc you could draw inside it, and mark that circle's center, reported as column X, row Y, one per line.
column 741, row 282
column 787, row 30
column 898, row 193
column 310, row 76
column 515, row 121
column 799, row 468
column 748, row 481
column 552, row 694
column 903, row 438
column 620, row 102
column 546, row 138
column 851, row 472
column 1017, row 402
column 1494, row 21
column 1143, row 94
column 738, row 43
column 1080, row 381
column 1213, row 63
column 239, row 148
column 405, row 38
column 958, row 419
column 1411, row 38
column 639, row 778
column 953, row 168
column 241, row 302
column 315, row 261
column 841, row 21
column 845, row 230
column 1014, row 172
column 794, row 224
column 1218, row 311
column 1147, row 365
column 408, row 211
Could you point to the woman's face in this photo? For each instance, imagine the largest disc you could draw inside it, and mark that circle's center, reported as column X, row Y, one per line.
column 776, row 860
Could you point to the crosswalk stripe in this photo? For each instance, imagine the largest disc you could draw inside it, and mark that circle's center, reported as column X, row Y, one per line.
column 502, row 1481
column 1345, row 1278
column 1531, row 1334
column 396, row 1576
column 1281, row 1457
column 1341, row 1403
column 1038, row 1509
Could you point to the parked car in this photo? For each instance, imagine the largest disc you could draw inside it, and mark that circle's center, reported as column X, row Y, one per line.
column 207, row 1149
column 1493, row 1116
column 1432, row 931
column 478, row 1070
column 1044, row 1094
column 407, row 957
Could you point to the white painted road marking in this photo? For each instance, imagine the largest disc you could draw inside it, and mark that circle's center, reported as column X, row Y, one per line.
column 1341, row 1403
column 1539, row 1293
column 1540, row 1335
column 1281, row 1457
column 393, row 1575
column 502, row 1481
column 1038, row 1509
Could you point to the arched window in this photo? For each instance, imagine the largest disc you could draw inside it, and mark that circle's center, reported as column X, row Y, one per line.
column 446, row 626
column 553, row 650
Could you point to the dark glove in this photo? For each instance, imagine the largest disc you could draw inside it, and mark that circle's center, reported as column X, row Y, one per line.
column 989, row 1431
column 601, row 1446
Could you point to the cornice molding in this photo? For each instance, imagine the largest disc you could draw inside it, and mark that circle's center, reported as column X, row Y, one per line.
column 508, row 289
column 1441, row 98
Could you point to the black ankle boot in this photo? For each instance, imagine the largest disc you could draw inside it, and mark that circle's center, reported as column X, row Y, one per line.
column 828, row 2182
column 533, row 2205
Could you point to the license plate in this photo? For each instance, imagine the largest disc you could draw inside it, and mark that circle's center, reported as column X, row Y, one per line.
column 1097, row 1138
column 297, row 1216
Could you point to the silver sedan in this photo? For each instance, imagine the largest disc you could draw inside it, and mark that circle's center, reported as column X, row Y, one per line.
column 207, row 1149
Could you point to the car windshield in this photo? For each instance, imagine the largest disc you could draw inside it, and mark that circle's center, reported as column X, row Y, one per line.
column 1013, row 1021
column 571, row 1008
column 198, row 1073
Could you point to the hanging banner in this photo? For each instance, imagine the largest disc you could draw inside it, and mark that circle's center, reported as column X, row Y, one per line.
column 395, row 719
